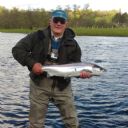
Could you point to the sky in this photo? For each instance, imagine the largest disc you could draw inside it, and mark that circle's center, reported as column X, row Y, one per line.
column 52, row 4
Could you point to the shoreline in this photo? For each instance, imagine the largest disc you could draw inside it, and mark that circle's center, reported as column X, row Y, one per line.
column 81, row 31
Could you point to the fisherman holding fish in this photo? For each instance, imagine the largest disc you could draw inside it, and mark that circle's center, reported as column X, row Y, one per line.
column 52, row 45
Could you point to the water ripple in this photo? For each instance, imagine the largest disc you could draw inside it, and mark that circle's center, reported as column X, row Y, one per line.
column 101, row 102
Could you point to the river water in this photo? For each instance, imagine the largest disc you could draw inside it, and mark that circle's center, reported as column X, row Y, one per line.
column 101, row 102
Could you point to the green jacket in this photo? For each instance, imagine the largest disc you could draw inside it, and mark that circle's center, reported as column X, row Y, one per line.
column 34, row 48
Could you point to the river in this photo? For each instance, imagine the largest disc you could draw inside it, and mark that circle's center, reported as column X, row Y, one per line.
column 101, row 102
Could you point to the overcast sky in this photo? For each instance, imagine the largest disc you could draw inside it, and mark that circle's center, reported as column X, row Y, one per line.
column 52, row 4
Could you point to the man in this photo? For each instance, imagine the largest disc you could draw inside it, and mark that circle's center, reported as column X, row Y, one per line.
column 53, row 45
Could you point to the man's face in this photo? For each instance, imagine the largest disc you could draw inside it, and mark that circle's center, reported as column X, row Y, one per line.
column 58, row 25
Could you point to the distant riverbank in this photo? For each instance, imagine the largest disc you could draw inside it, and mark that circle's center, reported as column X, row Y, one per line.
column 101, row 31
column 81, row 31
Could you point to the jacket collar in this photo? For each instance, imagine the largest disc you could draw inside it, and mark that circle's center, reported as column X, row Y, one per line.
column 69, row 33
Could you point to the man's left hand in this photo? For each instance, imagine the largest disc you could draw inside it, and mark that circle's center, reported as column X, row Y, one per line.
column 85, row 74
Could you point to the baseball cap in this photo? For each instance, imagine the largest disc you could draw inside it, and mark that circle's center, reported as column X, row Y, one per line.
column 60, row 13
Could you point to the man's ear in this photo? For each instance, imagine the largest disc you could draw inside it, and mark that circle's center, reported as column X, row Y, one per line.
column 50, row 21
column 67, row 23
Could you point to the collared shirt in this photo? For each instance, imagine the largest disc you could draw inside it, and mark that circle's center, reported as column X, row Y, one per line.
column 56, row 38
column 53, row 49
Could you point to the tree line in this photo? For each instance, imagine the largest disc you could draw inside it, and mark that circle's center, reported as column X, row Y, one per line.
column 38, row 18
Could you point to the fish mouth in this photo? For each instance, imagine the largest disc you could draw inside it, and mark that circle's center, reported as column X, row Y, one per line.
column 105, row 70
column 98, row 67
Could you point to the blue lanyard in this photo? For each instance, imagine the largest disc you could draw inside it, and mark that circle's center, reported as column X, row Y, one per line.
column 55, row 44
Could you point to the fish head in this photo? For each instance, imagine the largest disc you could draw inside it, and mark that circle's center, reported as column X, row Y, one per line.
column 98, row 69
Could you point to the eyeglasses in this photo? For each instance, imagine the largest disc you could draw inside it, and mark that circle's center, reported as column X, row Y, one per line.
column 58, row 19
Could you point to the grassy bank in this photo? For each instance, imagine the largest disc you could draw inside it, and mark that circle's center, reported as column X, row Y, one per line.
column 16, row 30
column 81, row 31
column 101, row 31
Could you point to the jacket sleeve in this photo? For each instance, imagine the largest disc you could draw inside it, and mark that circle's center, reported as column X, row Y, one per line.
column 77, row 53
column 22, row 51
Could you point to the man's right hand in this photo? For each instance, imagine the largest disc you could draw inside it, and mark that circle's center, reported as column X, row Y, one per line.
column 84, row 74
column 37, row 68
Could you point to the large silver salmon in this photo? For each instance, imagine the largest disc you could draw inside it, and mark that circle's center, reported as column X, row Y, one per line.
column 73, row 69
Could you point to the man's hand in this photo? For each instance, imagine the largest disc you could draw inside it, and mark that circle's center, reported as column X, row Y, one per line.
column 85, row 74
column 37, row 68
